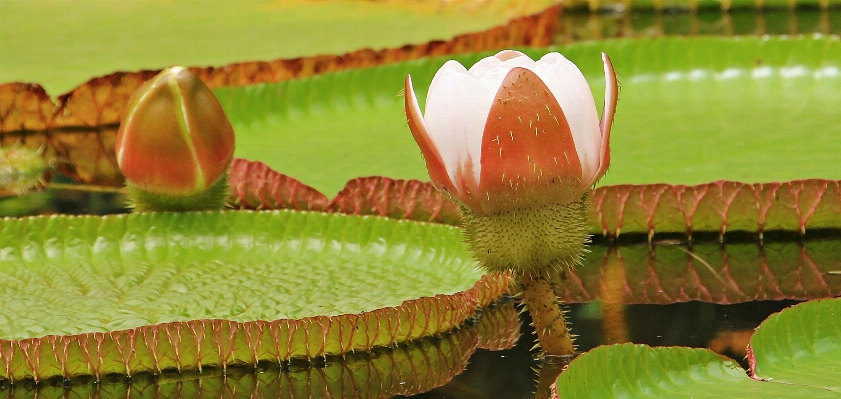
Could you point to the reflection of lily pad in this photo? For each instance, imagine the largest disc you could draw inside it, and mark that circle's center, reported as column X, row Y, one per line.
column 91, row 295
column 796, row 355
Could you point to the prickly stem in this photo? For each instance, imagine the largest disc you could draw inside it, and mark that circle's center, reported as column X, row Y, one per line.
column 548, row 319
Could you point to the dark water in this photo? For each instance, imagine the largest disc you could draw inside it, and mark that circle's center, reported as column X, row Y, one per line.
column 510, row 373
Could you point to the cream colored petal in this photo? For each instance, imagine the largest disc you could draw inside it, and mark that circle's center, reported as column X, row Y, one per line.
column 506, row 55
column 484, row 65
column 492, row 70
column 448, row 68
column 456, row 111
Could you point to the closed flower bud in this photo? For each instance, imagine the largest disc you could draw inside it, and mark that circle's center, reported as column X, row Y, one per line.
column 175, row 143
column 518, row 144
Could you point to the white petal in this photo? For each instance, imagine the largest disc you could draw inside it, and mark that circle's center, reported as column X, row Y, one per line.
column 457, row 108
column 484, row 64
column 567, row 84
column 492, row 70
column 449, row 67
column 505, row 55
column 552, row 58
column 523, row 61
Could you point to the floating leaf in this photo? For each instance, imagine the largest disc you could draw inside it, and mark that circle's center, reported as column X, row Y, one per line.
column 406, row 369
column 147, row 292
column 715, row 268
column 795, row 352
column 351, row 123
column 120, row 37
column 101, row 100
column 800, row 346
column 579, row 25
column 720, row 207
column 662, row 5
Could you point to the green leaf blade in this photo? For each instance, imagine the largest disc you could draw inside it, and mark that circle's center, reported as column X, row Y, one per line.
column 793, row 354
column 150, row 291
column 638, row 371
column 800, row 346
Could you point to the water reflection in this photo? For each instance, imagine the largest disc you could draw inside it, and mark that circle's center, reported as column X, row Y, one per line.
column 511, row 374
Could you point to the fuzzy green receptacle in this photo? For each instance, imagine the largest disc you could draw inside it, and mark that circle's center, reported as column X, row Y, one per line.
column 175, row 145
column 518, row 144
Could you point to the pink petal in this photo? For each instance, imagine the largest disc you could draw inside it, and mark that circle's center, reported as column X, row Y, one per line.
column 434, row 163
column 573, row 93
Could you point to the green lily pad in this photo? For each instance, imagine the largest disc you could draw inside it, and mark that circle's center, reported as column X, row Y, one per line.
column 800, row 346
column 795, row 355
column 60, row 44
column 700, row 4
column 144, row 292
column 691, row 110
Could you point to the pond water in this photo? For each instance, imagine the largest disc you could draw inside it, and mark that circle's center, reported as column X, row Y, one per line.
column 508, row 373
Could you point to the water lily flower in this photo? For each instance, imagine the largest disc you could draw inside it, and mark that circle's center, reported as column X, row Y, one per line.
column 175, row 140
column 512, row 132
column 519, row 144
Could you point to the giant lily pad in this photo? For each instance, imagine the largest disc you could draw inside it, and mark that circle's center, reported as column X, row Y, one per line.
column 98, row 39
column 147, row 292
column 794, row 354
column 692, row 110
column 642, row 268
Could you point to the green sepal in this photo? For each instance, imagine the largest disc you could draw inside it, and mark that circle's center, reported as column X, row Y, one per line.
column 529, row 239
column 212, row 199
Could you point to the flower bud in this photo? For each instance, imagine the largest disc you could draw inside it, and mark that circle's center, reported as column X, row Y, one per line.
column 518, row 143
column 512, row 132
column 175, row 144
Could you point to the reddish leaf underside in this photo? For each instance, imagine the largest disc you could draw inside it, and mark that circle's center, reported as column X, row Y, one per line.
column 101, row 100
column 78, row 129
column 403, row 370
column 399, row 199
column 719, row 207
column 667, row 271
column 499, row 328
column 255, row 186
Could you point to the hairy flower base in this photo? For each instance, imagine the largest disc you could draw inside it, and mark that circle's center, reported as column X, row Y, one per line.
column 212, row 199
column 529, row 239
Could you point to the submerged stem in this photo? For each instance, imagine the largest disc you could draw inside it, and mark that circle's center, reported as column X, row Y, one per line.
column 546, row 314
